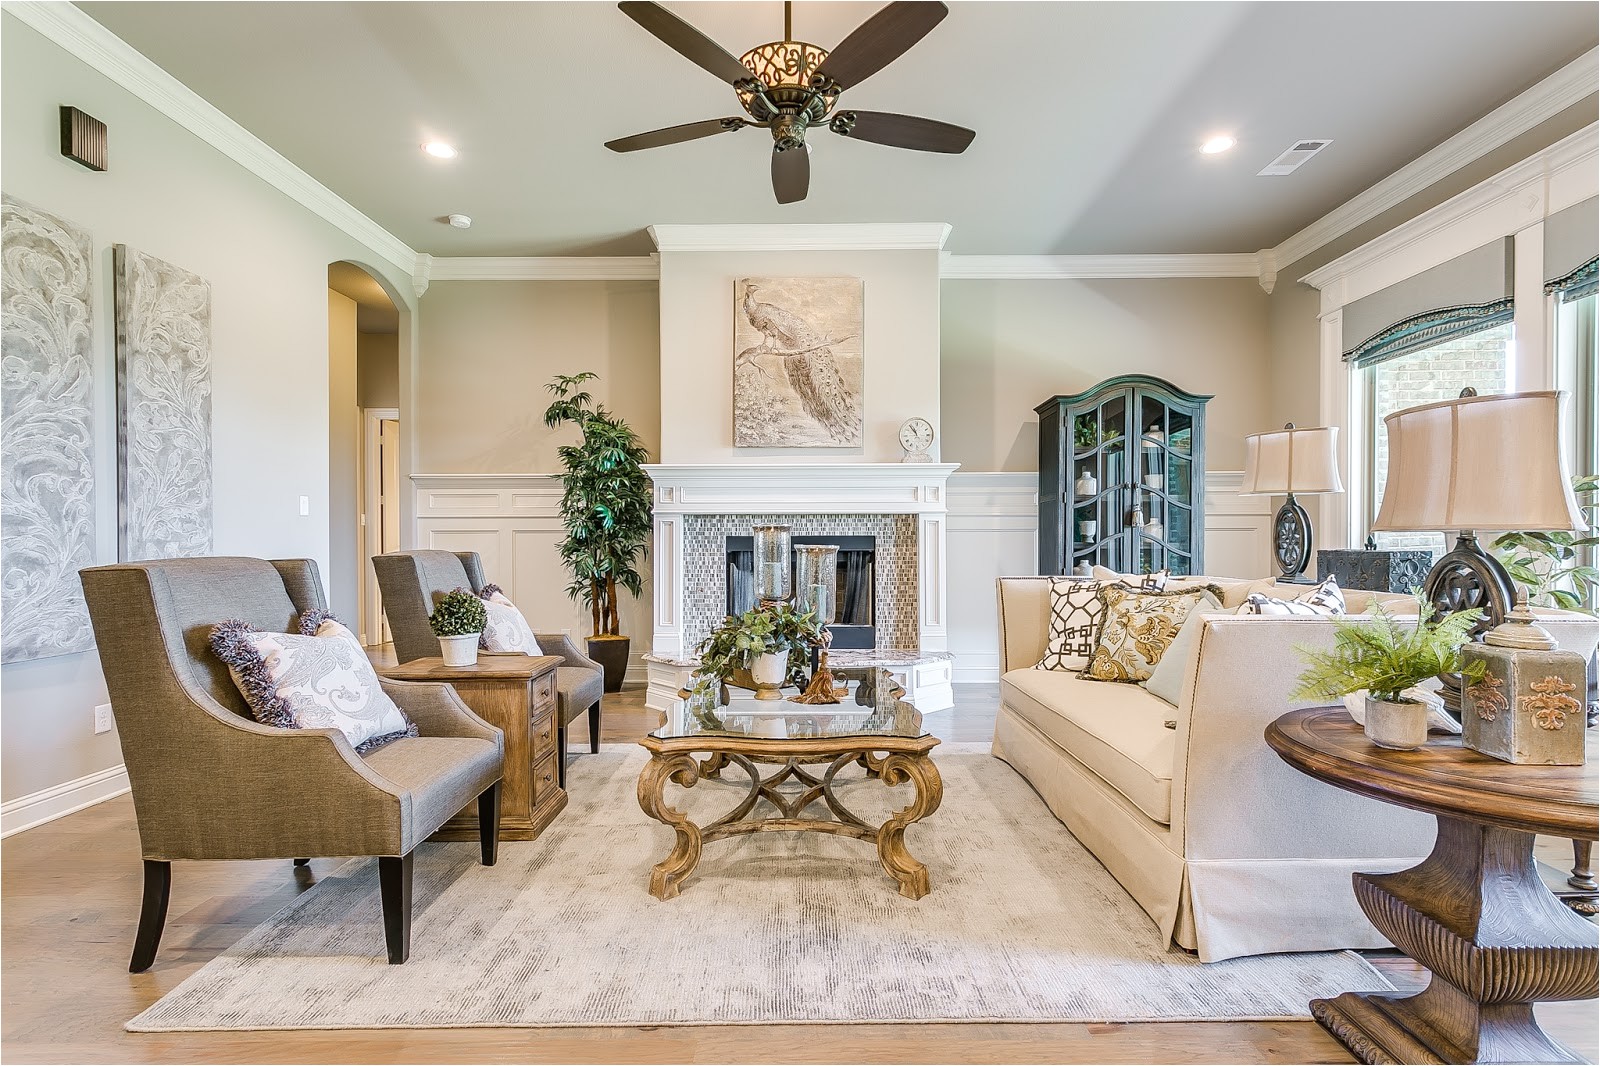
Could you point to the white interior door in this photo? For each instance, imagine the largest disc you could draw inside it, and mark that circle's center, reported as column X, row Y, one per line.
column 380, row 517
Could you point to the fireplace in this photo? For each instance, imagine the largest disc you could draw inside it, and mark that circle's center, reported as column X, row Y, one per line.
column 856, row 588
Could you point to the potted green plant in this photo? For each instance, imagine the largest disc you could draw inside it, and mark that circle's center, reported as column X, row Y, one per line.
column 761, row 649
column 458, row 620
column 1551, row 565
column 606, row 508
column 1385, row 658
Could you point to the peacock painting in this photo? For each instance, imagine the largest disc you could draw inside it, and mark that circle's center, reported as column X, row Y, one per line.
column 797, row 371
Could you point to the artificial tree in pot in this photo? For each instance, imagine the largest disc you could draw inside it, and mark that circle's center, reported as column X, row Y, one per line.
column 606, row 509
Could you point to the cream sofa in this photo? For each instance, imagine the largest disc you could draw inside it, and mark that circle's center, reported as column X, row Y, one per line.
column 1227, row 848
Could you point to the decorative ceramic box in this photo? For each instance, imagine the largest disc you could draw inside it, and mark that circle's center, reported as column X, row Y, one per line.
column 1374, row 571
column 1529, row 705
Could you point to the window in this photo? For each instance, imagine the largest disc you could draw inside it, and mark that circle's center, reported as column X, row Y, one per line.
column 1481, row 359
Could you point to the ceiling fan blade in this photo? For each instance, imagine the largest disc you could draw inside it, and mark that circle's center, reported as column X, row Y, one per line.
column 902, row 131
column 879, row 41
column 687, row 41
column 791, row 174
column 689, row 131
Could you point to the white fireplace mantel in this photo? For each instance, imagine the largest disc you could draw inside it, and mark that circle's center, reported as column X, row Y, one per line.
column 799, row 488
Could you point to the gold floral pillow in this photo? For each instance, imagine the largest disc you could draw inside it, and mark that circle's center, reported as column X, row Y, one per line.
column 1138, row 629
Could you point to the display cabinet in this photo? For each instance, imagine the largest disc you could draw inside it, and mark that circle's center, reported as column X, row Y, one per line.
column 1122, row 478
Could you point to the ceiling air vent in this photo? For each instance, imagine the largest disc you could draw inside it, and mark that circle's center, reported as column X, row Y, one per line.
column 1296, row 154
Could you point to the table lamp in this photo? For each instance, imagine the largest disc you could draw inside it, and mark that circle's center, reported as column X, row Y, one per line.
column 1477, row 462
column 1286, row 462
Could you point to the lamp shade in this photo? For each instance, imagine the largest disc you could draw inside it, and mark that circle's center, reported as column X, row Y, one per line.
column 1302, row 461
column 1479, row 462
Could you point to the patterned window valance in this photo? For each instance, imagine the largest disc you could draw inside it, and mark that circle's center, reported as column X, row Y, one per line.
column 1576, row 285
column 1428, row 328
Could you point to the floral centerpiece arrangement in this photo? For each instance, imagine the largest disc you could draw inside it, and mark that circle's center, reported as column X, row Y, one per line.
column 1385, row 658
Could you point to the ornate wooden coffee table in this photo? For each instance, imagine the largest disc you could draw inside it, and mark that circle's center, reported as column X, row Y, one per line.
column 1474, row 912
column 810, row 746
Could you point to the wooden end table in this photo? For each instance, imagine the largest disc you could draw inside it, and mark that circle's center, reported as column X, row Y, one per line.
column 1474, row 912
column 810, row 744
column 517, row 693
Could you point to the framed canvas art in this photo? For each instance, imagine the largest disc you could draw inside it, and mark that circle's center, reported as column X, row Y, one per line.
column 797, row 366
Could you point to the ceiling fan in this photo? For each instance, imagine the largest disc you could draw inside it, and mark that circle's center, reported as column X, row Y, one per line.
column 789, row 86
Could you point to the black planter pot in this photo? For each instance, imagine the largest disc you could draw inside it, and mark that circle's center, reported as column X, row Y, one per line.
column 612, row 654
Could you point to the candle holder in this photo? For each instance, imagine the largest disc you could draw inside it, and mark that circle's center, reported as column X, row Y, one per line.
column 773, row 579
column 817, row 570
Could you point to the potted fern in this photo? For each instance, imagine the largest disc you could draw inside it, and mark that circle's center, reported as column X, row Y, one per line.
column 1380, row 656
column 606, row 508
column 458, row 620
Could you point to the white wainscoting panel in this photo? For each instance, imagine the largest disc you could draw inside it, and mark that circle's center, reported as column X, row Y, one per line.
column 993, row 532
column 513, row 522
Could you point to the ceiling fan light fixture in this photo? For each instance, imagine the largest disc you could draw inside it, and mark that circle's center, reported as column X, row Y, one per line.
column 1218, row 144
column 785, row 68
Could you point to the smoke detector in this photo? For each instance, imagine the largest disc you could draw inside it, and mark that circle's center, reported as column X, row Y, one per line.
column 460, row 221
column 1294, row 157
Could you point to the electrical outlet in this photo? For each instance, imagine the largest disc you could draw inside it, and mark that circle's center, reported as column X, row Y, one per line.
column 102, row 718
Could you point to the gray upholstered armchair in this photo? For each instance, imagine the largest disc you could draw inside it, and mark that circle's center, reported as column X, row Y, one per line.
column 211, row 783
column 412, row 581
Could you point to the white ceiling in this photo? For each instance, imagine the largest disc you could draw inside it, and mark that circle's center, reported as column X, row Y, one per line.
column 1088, row 114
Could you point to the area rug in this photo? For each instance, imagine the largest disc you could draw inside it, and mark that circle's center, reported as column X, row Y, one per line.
column 1022, row 924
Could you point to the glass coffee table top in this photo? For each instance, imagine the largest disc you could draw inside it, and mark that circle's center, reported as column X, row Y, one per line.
column 871, row 708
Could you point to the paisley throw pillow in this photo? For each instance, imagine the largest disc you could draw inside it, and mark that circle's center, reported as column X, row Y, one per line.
column 318, row 679
column 506, row 629
column 1138, row 629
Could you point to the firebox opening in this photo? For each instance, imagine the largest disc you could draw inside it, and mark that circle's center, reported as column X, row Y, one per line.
column 856, row 627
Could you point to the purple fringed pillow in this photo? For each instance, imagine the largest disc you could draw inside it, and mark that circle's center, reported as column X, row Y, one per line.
column 506, row 629
column 319, row 679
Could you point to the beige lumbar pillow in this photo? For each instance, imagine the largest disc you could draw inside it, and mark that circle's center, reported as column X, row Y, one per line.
column 506, row 629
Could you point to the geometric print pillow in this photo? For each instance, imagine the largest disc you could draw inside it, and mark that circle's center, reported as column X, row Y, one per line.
column 506, row 629
column 320, row 679
column 1076, row 612
column 1325, row 601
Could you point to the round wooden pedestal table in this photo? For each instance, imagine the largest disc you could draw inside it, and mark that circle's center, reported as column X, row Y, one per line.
column 1474, row 912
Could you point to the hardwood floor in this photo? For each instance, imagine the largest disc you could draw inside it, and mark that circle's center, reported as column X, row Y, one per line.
column 71, row 898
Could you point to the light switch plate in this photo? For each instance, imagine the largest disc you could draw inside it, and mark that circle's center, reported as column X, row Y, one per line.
column 305, row 505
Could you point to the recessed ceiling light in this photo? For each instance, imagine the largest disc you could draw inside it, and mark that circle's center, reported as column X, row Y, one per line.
column 439, row 150
column 1220, row 143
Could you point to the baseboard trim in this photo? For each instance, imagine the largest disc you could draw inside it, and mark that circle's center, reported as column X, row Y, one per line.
column 58, row 801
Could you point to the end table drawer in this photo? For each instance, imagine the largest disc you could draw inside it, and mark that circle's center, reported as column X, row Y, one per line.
column 544, row 693
column 542, row 734
column 545, row 778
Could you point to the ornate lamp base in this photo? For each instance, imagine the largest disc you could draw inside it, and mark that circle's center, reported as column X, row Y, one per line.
column 1463, row 578
column 1291, row 541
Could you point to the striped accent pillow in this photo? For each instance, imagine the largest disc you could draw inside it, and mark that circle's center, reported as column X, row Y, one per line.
column 1323, row 601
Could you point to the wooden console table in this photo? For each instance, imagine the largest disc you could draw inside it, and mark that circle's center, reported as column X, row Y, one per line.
column 517, row 693
column 1474, row 912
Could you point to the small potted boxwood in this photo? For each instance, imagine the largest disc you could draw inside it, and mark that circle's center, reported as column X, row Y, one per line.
column 458, row 622
column 1384, row 658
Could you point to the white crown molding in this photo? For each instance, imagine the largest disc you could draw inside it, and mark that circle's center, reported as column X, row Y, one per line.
column 1515, row 198
column 867, row 236
column 547, row 268
column 1517, row 116
column 1031, row 267
column 87, row 40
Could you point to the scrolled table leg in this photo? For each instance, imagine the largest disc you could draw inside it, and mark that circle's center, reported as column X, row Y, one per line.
column 684, row 770
column 897, row 861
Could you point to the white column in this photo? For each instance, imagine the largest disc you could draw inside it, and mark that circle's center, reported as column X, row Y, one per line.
column 1338, row 513
column 1535, row 367
column 932, row 631
column 668, row 587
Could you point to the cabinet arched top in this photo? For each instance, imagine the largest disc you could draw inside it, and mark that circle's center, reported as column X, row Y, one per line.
column 1143, row 381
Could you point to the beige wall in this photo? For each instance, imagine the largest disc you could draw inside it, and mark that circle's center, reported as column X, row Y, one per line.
column 344, row 462
column 1007, row 346
column 266, row 258
column 900, row 338
column 488, row 348
column 378, row 370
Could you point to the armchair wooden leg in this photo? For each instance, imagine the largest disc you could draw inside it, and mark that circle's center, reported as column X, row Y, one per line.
column 561, row 754
column 489, row 823
column 302, row 862
column 594, row 728
column 394, row 883
column 152, row 914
